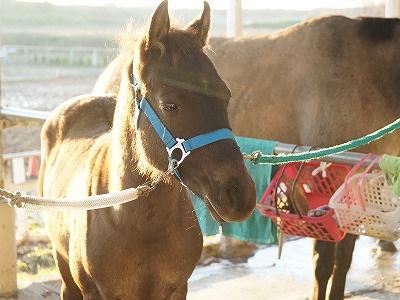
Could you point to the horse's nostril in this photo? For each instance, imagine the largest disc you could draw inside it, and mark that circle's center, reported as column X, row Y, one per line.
column 238, row 201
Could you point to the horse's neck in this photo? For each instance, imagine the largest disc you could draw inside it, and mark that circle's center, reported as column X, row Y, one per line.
column 167, row 204
column 166, row 200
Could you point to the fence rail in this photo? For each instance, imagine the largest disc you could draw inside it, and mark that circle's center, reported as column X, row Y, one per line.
column 23, row 154
column 20, row 113
column 80, row 56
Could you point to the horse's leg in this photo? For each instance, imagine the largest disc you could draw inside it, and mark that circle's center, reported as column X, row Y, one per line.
column 323, row 259
column 69, row 289
column 343, row 258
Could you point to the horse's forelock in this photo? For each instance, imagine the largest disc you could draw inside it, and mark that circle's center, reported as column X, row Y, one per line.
column 180, row 48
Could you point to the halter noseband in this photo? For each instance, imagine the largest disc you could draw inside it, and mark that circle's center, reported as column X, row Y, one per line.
column 172, row 143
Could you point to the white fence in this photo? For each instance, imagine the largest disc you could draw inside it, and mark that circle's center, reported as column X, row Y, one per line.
column 72, row 56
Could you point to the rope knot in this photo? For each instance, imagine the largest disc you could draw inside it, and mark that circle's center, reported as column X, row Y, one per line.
column 16, row 200
column 253, row 156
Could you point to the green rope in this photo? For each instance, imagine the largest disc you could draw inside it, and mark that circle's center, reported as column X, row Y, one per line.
column 315, row 154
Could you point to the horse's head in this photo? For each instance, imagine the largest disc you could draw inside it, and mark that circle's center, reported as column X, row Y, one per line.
column 184, row 90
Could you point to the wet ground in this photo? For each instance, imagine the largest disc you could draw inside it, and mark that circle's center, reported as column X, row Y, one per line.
column 263, row 276
column 372, row 275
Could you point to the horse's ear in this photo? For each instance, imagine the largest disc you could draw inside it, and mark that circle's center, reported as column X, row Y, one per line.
column 159, row 25
column 201, row 25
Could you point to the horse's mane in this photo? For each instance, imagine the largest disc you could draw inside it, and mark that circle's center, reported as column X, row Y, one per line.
column 378, row 29
column 178, row 42
column 127, row 37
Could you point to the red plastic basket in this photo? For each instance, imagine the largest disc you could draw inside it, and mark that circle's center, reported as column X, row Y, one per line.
column 318, row 191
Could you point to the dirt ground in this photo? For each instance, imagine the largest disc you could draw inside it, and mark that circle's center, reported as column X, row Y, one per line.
column 39, row 88
column 372, row 276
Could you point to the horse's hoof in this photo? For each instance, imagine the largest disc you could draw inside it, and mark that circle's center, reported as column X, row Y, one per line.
column 384, row 246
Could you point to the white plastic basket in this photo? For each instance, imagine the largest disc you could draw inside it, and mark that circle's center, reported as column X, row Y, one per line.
column 365, row 205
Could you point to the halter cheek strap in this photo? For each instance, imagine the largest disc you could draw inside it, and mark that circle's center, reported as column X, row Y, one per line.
column 172, row 143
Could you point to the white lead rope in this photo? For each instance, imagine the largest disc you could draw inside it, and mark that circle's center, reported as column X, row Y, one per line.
column 83, row 203
column 70, row 204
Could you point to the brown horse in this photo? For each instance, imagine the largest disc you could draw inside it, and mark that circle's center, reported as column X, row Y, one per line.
column 148, row 248
column 319, row 83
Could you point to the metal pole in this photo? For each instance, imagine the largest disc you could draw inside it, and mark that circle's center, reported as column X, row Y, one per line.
column 347, row 158
column 8, row 249
column 24, row 114
column 234, row 19
column 94, row 58
column 392, row 9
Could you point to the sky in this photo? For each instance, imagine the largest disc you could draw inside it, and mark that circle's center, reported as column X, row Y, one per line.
column 223, row 4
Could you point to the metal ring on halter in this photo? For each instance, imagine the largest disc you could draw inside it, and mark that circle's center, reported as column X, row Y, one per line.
column 172, row 143
column 178, row 145
column 150, row 185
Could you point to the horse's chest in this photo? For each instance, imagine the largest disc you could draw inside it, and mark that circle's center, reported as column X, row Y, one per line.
column 121, row 262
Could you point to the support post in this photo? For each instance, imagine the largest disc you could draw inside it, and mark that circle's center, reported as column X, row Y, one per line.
column 8, row 249
column 392, row 9
column 94, row 58
column 234, row 19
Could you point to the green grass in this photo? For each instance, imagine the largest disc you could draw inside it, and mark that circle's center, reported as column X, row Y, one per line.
column 49, row 25
column 43, row 272
column 35, row 261
column 44, row 14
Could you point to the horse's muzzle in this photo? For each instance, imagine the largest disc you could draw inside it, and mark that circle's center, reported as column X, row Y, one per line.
column 233, row 201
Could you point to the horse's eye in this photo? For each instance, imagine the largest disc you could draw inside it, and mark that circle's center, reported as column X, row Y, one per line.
column 169, row 106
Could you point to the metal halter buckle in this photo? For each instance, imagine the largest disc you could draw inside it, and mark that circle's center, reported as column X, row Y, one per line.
column 178, row 145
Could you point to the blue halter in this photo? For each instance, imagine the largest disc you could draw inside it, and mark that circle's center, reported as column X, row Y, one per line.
column 172, row 143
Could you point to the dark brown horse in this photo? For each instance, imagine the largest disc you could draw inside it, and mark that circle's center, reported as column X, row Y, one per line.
column 319, row 83
column 148, row 248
